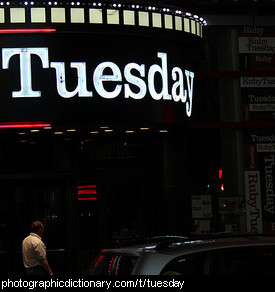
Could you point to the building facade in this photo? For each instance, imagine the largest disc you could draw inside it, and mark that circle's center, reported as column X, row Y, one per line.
column 95, row 106
column 121, row 121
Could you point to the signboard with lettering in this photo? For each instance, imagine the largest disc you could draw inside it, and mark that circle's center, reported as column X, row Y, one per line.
column 259, row 183
column 257, row 51
column 86, row 78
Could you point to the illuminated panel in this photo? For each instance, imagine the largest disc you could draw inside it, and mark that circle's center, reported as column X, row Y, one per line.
column 193, row 27
column 58, row 15
column 112, row 16
column 87, row 193
column 23, row 125
column 143, row 18
column 156, row 20
column 17, row 15
column 178, row 23
column 128, row 17
column 38, row 15
column 198, row 29
column 95, row 16
column 186, row 25
column 2, row 15
column 77, row 15
column 168, row 20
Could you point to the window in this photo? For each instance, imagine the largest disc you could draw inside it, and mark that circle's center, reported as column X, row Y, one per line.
column 258, row 260
column 186, row 265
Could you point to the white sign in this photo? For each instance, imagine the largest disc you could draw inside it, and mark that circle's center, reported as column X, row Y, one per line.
column 257, row 45
column 181, row 89
column 253, row 202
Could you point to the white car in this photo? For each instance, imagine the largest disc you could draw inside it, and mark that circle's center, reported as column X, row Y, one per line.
column 234, row 255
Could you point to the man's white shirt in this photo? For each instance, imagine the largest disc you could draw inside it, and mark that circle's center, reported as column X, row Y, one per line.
column 34, row 250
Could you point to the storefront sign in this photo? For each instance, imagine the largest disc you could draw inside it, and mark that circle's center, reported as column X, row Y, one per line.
column 123, row 80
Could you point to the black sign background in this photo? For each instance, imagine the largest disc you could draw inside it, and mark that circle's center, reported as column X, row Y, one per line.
column 93, row 49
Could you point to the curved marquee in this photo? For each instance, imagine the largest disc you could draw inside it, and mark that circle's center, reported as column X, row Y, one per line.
column 99, row 13
column 59, row 66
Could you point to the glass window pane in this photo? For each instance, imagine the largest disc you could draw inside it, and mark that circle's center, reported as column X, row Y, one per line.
column 192, row 264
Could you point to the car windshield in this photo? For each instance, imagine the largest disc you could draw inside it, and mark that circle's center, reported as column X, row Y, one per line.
column 113, row 264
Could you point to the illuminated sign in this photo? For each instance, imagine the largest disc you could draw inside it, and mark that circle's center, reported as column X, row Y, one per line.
column 130, row 82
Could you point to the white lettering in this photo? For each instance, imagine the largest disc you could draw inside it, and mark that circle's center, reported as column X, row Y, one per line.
column 81, row 88
column 135, row 80
column 99, row 78
column 190, row 91
column 25, row 67
column 107, row 78
column 164, row 75
column 179, row 85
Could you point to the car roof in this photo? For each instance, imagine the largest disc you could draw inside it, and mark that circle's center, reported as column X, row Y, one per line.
column 179, row 245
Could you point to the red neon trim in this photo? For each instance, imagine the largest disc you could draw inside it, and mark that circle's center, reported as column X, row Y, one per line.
column 87, row 192
column 23, row 125
column 220, row 173
column 27, row 30
column 87, row 187
column 87, row 199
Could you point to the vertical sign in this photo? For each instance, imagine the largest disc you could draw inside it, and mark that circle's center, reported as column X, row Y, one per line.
column 257, row 54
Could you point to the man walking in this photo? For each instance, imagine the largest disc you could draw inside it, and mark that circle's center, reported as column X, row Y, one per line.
column 34, row 252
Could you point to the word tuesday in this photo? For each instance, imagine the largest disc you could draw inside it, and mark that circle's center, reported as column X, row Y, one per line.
column 104, row 73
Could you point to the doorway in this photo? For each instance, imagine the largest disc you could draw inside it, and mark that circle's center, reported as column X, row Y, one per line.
column 24, row 200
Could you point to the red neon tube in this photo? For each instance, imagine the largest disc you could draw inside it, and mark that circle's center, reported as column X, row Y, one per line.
column 27, row 30
column 87, row 199
column 87, row 187
column 87, row 192
column 23, row 125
